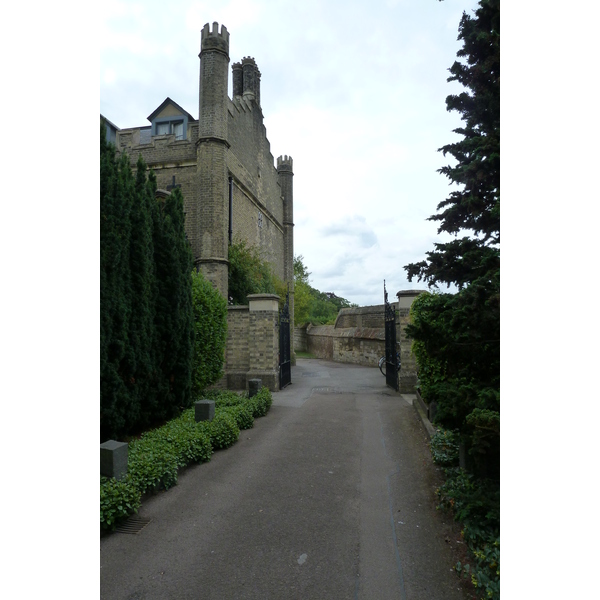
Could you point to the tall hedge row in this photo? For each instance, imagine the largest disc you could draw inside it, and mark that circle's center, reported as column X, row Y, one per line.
column 146, row 310
column 210, row 329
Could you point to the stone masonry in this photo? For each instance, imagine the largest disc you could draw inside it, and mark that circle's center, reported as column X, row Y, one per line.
column 232, row 188
column 222, row 161
column 358, row 337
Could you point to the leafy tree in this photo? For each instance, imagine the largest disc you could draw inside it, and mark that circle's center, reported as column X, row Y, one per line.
column 458, row 335
column 210, row 323
column 311, row 305
column 248, row 273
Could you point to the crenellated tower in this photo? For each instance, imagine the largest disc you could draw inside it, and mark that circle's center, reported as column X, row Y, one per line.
column 285, row 174
column 246, row 79
column 211, row 150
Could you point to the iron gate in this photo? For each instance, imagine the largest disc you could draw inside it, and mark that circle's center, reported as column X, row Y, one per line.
column 285, row 359
column 391, row 351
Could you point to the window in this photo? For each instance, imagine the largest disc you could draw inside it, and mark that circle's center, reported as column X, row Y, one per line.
column 171, row 127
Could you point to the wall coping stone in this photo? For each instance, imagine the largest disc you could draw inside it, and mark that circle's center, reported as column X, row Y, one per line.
column 406, row 297
column 364, row 333
column 263, row 302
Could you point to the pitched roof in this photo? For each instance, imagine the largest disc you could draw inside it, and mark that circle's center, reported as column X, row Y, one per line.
column 166, row 102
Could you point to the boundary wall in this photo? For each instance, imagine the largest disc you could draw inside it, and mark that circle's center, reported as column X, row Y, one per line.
column 358, row 337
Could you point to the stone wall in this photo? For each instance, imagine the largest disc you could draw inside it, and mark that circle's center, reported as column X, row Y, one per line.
column 356, row 345
column 358, row 337
column 300, row 339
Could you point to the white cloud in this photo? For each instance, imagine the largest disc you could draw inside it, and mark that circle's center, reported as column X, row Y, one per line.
column 354, row 91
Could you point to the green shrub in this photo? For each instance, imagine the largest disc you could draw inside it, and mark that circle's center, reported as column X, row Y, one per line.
column 154, row 458
column 226, row 398
column 118, row 499
column 261, row 402
column 249, row 273
column 210, row 327
column 475, row 503
column 190, row 443
column 242, row 413
column 444, row 448
column 152, row 462
column 224, row 431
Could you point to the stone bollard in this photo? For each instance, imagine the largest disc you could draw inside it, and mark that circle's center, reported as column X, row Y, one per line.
column 113, row 459
column 253, row 386
column 205, row 410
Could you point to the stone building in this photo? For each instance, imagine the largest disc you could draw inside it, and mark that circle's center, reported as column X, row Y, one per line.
column 222, row 161
column 233, row 190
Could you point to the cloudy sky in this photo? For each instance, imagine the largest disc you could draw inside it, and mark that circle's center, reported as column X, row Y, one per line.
column 353, row 90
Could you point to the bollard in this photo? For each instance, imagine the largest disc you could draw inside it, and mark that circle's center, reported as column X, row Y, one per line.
column 113, row 459
column 253, row 386
column 205, row 410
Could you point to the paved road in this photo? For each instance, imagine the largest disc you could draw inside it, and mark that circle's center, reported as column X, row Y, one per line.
column 328, row 497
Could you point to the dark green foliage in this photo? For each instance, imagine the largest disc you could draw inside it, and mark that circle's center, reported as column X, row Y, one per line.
column 152, row 462
column 457, row 336
column 444, row 448
column 224, row 431
column 475, row 503
column 261, row 402
column 146, row 317
column 190, row 442
column 242, row 413
column 225, row 398
column 118, row 499
column 155, row 458
column 248, row 274
column 210, row 327
column 476, row 206
column 117, row 406
column 174, row 317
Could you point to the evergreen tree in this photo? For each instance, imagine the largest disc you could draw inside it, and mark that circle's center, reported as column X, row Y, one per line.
column 460, row 333
column 146, row 320
column 173, row 323
column 476, row 206
column 143, row 294
column 116, row 405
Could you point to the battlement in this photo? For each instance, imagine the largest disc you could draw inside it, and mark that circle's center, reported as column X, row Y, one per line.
column 213, row 40
column 285, row 163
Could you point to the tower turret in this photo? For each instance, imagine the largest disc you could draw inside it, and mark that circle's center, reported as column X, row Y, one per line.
column 213, row 211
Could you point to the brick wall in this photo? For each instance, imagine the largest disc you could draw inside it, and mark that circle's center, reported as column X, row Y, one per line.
column 253, row 343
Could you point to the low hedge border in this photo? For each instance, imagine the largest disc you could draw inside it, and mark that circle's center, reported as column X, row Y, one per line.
column 155, row 458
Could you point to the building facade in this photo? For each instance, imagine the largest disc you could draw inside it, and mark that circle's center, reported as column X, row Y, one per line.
column 232, row 186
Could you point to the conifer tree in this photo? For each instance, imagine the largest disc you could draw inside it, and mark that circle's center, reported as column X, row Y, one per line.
column 116, row 405
column 460, row 333
column 174, row 310
column 143, row 286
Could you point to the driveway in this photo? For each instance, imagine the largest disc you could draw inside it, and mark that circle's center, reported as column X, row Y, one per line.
column 330, row 496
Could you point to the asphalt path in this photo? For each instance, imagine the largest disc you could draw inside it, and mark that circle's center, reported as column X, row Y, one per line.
column 329, row 496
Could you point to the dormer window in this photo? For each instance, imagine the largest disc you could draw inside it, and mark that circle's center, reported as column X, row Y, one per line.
column 170, row 119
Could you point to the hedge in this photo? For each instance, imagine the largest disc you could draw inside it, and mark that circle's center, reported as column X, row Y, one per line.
column 155, row 458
